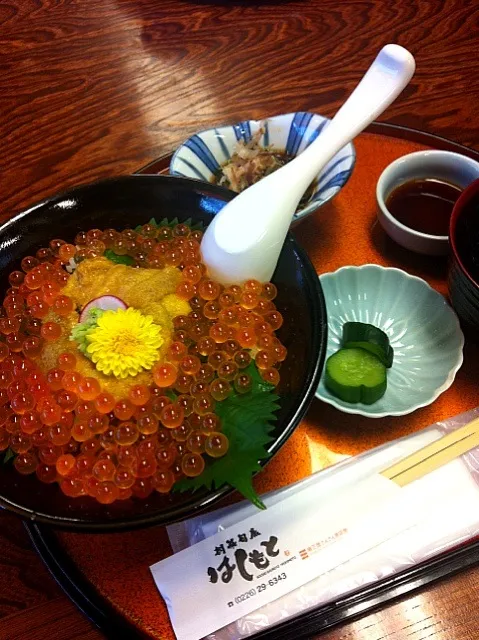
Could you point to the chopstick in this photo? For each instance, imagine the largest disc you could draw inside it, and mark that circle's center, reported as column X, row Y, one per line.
column 434, row 455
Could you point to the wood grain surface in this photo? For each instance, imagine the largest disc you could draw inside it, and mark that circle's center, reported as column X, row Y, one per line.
column 94, row 89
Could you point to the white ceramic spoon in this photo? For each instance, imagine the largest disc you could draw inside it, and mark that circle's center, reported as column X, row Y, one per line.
column 245, row 239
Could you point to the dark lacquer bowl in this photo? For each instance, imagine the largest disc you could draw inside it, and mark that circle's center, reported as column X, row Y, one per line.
column 126, row 202
column 463, row 275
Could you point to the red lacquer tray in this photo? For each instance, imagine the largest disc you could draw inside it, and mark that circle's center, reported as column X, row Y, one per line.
column 108, row 575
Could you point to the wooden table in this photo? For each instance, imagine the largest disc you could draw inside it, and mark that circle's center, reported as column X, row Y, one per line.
column 95, row 89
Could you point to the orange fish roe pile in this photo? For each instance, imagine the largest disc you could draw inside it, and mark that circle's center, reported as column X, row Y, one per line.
column 67, row 429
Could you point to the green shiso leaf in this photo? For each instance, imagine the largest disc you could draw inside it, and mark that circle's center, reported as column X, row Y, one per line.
column 114, row 257
column 171, row 395
column 9, row 455
column 247, row 420
column 197, row 226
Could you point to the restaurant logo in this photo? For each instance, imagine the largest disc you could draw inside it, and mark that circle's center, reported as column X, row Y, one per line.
column 244, row 561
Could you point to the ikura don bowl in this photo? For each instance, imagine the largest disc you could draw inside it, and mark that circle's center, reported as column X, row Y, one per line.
column 126, row 202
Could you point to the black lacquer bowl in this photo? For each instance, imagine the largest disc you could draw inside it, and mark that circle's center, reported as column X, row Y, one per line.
column 126, row 202
column 463, row 273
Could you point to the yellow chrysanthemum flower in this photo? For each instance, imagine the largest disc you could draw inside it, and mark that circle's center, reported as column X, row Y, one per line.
column 124, row 342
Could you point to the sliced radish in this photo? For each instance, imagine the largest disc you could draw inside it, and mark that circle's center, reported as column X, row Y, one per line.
column 106, row 303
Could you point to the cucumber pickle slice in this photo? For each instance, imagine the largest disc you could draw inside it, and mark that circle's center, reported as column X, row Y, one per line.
column 356, row 375
column 368, row 337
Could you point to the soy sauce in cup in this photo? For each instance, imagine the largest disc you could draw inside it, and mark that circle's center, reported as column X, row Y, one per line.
column 424, row 205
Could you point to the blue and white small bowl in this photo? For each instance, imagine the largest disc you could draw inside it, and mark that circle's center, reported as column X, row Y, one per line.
column 202, row 155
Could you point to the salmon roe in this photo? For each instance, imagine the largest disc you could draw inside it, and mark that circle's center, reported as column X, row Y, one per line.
column 65, row 428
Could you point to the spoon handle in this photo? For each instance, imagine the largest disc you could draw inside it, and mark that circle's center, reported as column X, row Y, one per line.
column 245, row 238
column 385, row 79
